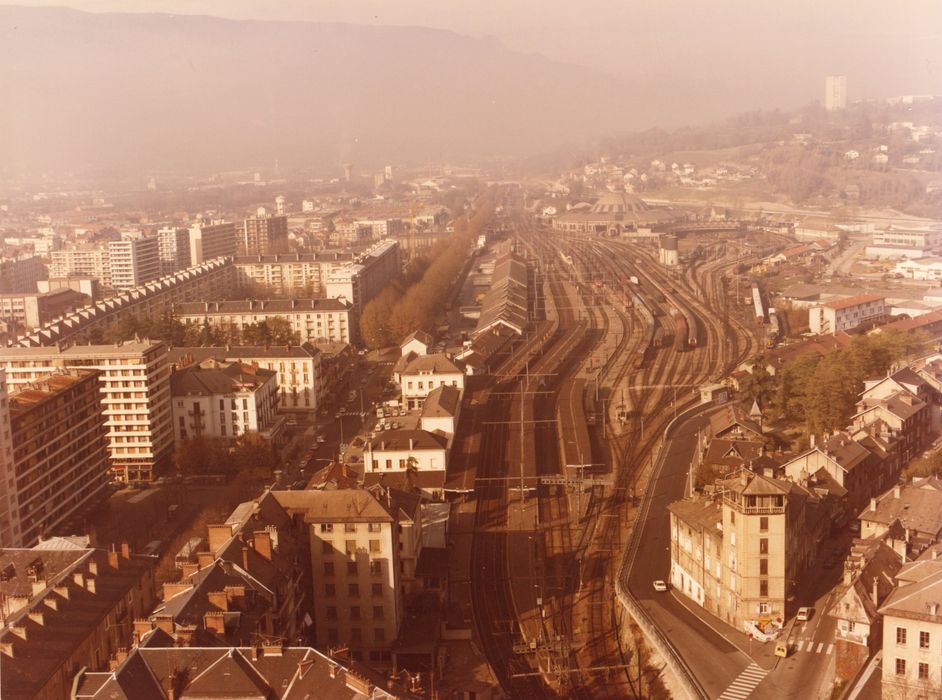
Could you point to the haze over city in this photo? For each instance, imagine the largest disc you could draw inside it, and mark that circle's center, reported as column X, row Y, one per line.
column 450, row 79
column 429, row 350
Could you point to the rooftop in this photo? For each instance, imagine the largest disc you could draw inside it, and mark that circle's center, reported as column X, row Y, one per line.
column 849, row 302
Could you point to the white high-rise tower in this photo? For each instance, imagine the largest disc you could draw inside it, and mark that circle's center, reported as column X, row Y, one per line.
column 835, row 92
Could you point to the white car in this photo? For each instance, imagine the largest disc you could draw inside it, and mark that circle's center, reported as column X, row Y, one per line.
column 660, row 586
column 804, row 614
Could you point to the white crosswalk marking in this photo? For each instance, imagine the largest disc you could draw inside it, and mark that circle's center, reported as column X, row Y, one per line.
column 801, row 644
column 820, row 647
column 744, row 684
column 830, row 648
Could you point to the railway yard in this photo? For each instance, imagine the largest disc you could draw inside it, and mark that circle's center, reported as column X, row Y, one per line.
column 565, row 432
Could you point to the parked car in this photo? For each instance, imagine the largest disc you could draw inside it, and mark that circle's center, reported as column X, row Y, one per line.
column 395, row 425
column 804, row 614
column 660, row 586
column 321, row 439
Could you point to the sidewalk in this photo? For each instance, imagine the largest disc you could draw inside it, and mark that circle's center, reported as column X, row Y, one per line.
column 763, row 653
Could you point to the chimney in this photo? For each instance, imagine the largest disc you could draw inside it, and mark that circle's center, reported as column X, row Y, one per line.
column 125, row 550
column 218, row 599
column 873, row 504
column 172, row 589
column 896, row 491
column 874, row 593
column 204, row 559
column 935, row 554
column 113, row 560
column 189, row 568
column 812, row 440
column 218, row 535
column 215, row 621
column 90, row 585
column 262, row 541
column 411, row 444
column 245, row 557
column 142, row 627
column 332, row 669
column 165, row 623
column 848, row 576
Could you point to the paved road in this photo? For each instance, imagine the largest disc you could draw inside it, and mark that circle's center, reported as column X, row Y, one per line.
column 714, row 660
column 711, row 648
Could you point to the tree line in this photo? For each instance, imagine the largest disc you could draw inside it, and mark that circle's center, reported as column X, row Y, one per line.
column 817, row 393
column 271, row 331
column 415, row 302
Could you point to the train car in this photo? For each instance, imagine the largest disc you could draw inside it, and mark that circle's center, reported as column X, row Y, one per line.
column 681, row 333
column 759, row 306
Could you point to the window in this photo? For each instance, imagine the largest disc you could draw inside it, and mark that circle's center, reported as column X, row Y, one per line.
column 374, row 545
column 377, row 590
column 328, row 568
column 375, row 527
column 332, row 635
column 349, row 527
column 327, row 548
column 732, row 517
column 330, row 590
column 376, row 568
column 923, row 671
column 356, row 635
column 378, row 612
column 352, row 569
column 353, row 590
column 763, row 545
column 331, row 612
column 763, row 567
column 763, row 524
column 901, row 667
column 379, row 635
column 923, row 640
column 327, row 527
column 350, row 546
column 763, row 588
column 354, row 612
column 901, row 635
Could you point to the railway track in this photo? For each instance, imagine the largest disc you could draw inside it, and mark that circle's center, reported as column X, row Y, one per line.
column 543, row 572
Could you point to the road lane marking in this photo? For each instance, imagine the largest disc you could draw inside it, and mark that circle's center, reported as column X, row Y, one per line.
column 800, row 645
column 830, row 648
column 744, row 683
column 820, row 647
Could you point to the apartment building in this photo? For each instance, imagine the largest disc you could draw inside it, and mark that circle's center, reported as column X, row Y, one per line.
column 916, row 507
column 261, row 235
column 300, row 375
column 312, row 319
column 926, row 239
column 66, row 607
column 224, row 400
column 366, row 275
column 212, row 280
column 60, row 454
column 738, row 554
column 846, row 314
column 289, row 274
column 912, row 633
column 133, row 262
column 381, row 228
column 21, row 274
column 901, row 415
column 134, row 381
column 363, row 545
column 248, row 584
column 211, row 240
column 9, row 517
column 82, row 261
column 173, row 249
column 419, row 375
column 269, row 670
column 25, row 311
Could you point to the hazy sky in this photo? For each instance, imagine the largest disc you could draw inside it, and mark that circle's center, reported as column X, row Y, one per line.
column 635, row 38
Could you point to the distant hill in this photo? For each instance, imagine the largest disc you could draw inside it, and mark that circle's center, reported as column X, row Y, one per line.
column 135, row 92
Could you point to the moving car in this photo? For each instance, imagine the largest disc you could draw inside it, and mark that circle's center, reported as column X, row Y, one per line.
column 804, row 614
column 660, row 586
